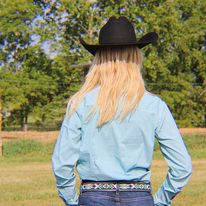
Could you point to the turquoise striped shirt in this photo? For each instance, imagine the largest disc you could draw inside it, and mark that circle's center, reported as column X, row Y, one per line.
column 120, row 151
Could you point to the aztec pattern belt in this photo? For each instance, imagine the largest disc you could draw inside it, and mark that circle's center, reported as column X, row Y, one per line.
column 114, row 185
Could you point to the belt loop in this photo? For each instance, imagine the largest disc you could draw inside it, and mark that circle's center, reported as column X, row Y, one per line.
column 117, row 190
column 150, row 189
column 81, row 188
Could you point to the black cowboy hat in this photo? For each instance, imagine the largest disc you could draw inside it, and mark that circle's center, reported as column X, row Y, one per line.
column 119, row 31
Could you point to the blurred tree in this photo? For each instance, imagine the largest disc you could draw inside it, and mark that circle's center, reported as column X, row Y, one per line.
column 174, row 67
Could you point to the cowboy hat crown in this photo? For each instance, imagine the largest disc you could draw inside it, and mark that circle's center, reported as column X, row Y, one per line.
column 119, row 31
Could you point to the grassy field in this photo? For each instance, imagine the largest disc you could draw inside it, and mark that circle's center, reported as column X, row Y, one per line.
column 26, row 177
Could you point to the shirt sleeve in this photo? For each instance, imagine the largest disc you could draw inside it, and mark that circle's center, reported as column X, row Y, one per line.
column 175, row 154
column 64, row 157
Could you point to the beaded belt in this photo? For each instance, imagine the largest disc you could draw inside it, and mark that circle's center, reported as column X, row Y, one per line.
column 114, row 185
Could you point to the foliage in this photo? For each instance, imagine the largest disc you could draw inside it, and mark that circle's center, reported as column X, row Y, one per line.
column 37, row 86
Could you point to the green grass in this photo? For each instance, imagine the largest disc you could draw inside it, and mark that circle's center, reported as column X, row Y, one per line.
column 27, row 150
column 26, row 176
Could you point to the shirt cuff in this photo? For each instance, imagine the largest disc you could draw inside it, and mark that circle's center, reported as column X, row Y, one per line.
column 158, row 203
column 69, row 200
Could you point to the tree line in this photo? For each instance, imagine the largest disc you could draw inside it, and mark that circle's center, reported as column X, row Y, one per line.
column 40, row 53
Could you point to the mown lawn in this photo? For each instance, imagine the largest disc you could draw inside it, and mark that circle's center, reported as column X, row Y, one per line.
column 26, row 177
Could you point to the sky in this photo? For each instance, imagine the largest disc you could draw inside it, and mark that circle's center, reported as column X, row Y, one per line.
column 45, row 45
column 35, row 38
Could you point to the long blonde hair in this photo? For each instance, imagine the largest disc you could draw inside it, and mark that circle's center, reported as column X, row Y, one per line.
column 117, row 70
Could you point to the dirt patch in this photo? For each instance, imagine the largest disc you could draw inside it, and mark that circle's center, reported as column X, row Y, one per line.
column 192, row 131
column 49, row 137
column 44, row 137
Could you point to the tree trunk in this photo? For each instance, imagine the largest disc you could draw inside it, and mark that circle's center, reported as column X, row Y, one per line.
column 0, row 115
column 26, row 122
column 1, row 139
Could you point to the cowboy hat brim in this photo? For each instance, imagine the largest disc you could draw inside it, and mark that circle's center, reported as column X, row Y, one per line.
column 142, row 42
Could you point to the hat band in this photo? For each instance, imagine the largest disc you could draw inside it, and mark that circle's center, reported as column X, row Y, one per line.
column 118, row 43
